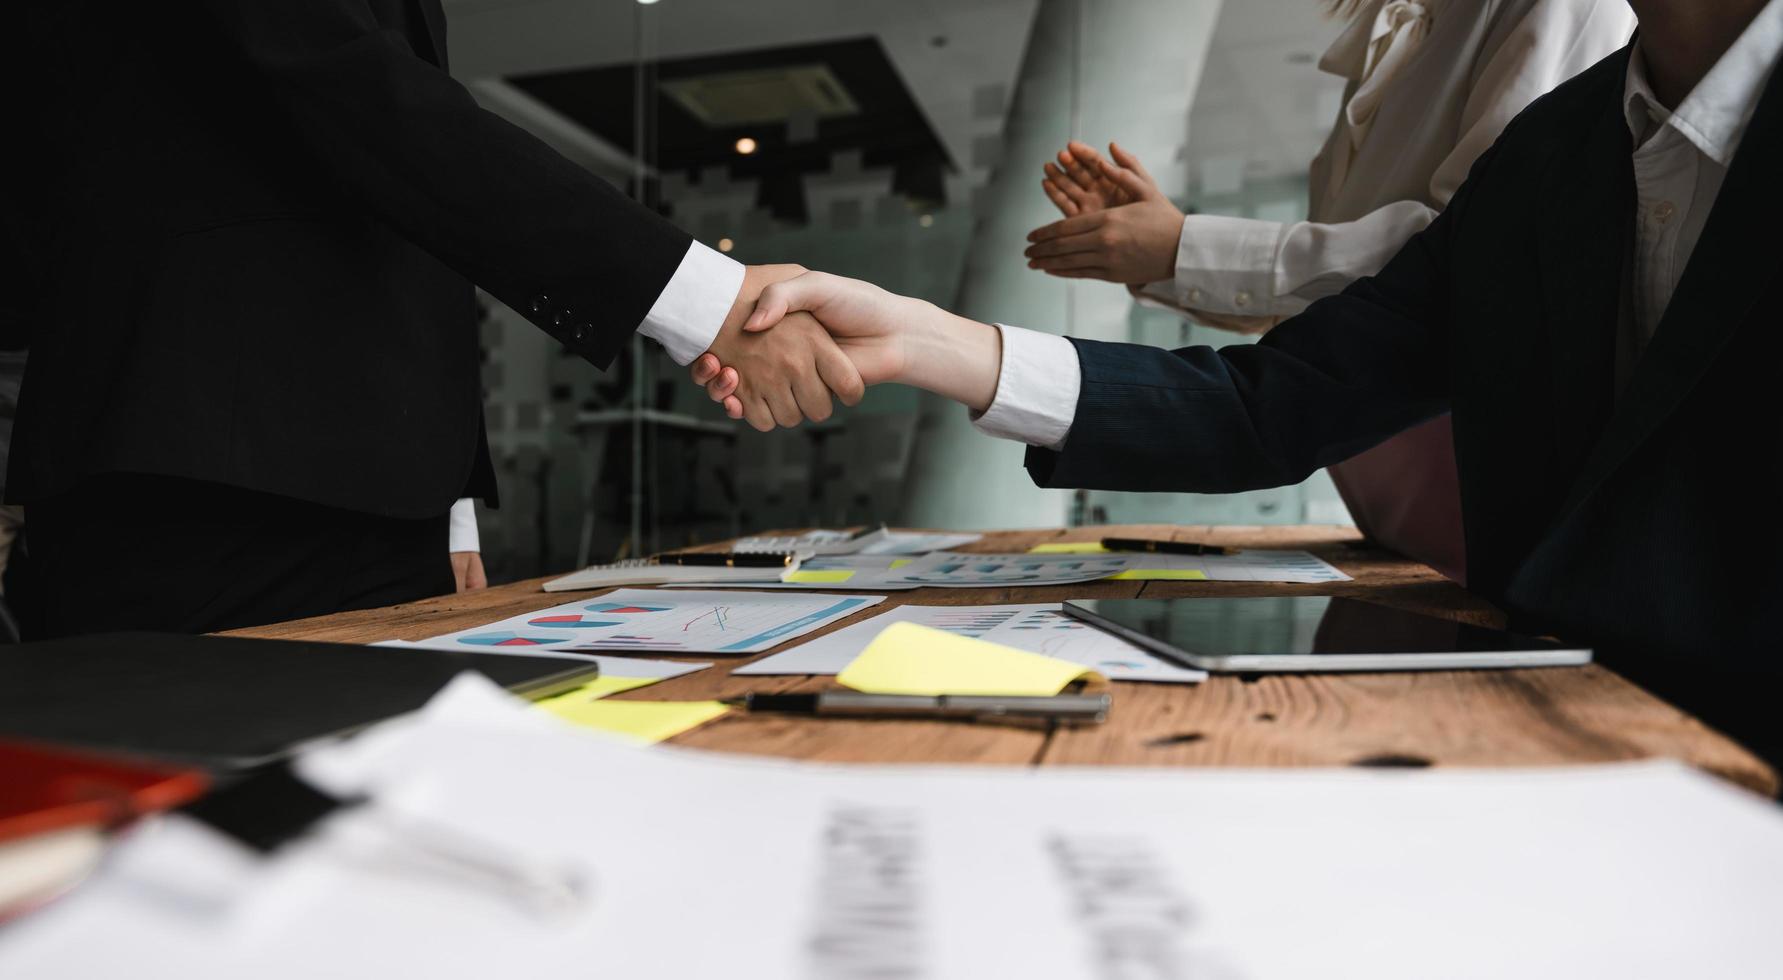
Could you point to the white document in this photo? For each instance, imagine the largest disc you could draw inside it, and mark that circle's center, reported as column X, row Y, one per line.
column 917, row 542
column 1253, row 565
column 962, row 570
column 660, row 621
column 710, row 865
column 651, row 572
column 1037, row 627
column 879, row 541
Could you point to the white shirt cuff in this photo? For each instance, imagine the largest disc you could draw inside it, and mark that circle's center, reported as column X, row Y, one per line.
column 463, row 524
column 1227, row 265
column 1037, row 388
column 691, row 308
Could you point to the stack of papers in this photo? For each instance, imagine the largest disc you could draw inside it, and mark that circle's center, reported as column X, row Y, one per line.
column 1037, row 627
column 1055, row 565
column 1244, row 565
column 956, row 570
column 879, row 541
column 699, row 865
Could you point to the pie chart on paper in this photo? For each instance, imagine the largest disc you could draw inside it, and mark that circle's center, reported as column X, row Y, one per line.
column 624, row 609
column 506, row 638
column 570, row 621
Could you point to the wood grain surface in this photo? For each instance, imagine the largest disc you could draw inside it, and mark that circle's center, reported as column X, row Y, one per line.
column 1553, row 716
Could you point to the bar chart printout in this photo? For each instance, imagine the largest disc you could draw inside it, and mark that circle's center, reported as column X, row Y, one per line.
column 959, row 570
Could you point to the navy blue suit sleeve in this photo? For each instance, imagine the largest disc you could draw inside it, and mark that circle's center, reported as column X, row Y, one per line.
column 1349, row 372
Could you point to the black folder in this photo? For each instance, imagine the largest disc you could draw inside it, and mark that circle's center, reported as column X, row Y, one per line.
column 227, row 702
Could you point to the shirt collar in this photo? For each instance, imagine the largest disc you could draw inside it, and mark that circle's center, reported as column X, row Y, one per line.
column 1713, row 116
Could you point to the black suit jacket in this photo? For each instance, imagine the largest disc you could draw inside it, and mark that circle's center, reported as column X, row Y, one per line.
column 259, row 222
column 1637, row 520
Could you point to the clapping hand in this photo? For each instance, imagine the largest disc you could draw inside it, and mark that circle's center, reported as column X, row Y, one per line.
column 1118, row 225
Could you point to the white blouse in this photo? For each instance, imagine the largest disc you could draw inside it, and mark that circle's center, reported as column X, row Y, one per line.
column 1431, row 85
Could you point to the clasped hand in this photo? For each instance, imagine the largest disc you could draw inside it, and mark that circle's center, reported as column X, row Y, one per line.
column 881, row 336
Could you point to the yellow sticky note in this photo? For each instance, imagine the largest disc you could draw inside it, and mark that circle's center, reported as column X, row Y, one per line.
column 819, row 576
column 910, row 659
column 1068, row 548
column 645, row 721
column 901, row 562
column 1163, row 574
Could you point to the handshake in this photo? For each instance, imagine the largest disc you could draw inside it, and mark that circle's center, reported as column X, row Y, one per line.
column 794, row 339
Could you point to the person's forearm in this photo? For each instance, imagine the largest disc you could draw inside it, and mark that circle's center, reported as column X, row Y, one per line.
column 953, row 356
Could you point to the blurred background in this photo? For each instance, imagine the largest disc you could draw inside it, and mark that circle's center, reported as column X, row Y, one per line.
column 900, row 143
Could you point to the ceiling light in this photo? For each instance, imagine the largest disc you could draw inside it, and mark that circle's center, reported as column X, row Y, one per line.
column 725, row 244
column 746, row 145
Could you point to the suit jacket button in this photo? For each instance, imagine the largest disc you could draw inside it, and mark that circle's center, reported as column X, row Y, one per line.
column 541, row 303
column 581, row 333
column 563, row 320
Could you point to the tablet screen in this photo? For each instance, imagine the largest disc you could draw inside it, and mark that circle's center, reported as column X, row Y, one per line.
column 1280, row 625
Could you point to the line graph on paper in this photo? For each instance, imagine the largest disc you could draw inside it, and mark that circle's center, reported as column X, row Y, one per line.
column 719, row 617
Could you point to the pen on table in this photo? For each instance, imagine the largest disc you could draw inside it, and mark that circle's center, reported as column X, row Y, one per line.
column 1066, row 708
column 726, row 559
column 1163, row 547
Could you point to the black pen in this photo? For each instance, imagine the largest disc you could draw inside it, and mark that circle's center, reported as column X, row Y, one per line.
column 725, row 559
column 1163, row 547
column 1065, row 708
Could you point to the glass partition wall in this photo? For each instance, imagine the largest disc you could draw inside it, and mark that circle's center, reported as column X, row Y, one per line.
column 896, row 143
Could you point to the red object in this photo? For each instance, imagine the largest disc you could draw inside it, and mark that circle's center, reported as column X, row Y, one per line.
column 1405, row 495
column 44, row 789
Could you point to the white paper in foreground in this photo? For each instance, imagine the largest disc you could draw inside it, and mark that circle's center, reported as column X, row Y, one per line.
column 738, row 867
column 1037, row 627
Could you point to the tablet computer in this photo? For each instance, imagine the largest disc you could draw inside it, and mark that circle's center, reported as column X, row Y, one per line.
column 1313, row 634
column 227, row 702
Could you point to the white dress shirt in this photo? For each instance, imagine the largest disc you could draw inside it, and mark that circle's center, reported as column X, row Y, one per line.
column 1426, row 119
column 1680, row 160
column 685, row 319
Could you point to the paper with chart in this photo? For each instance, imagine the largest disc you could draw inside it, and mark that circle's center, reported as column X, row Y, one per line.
column 953, row 570
column 876, row 541
column 1037, row 627
column 661, row 621
column 1247, row 565
column 962, row 570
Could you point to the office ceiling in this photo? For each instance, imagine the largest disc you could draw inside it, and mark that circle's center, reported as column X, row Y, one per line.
column 794, row 108
column 957, row 58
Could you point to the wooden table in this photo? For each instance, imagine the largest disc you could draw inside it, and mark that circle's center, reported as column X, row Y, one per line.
column 1450, row 718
